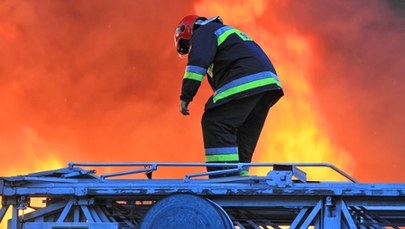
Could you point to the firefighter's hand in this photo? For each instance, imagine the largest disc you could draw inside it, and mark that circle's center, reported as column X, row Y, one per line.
column 184, row 107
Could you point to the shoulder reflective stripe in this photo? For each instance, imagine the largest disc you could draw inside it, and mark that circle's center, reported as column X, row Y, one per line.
column 194, row 73
column 221, row 150
column 224, row 32
column 222, row 158
column 221, row 30
column 246, row 83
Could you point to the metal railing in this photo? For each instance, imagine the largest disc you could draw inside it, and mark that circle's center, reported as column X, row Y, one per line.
column 231, row 167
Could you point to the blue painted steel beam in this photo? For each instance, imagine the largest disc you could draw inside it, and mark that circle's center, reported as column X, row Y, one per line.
column 66, row 210
column 346, row 214
column 3, row 211
column 79, row 195
column 311, row 217
column 50, row 209
column 299, row 219
column 88, row 225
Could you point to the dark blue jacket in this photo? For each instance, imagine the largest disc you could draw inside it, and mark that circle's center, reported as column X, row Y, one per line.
column 235, row 65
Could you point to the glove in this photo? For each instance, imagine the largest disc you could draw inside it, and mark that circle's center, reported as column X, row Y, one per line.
column 184, row 107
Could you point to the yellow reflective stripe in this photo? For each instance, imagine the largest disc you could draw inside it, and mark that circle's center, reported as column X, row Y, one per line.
column 193, row 76
column 222, row 158
column 225, row 35
column 245, row 87
column 228, row 32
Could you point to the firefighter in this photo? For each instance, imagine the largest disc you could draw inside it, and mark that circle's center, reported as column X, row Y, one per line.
column 244, row 82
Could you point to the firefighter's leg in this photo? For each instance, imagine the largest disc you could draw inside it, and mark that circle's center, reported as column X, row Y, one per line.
column 219, row 140
column 249, row 132
column 220, row 126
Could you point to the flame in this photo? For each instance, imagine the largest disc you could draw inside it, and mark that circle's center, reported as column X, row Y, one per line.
column 36, row 155
column 296, row 130
column 99, row 82
column 329, row 63
column 88, row 86
column 84, row 98
column 36, row 152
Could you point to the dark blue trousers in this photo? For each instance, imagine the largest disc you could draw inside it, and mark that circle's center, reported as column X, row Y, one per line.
column 231, row 131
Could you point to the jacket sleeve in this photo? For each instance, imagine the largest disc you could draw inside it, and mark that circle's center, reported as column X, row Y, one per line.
column 201, row 55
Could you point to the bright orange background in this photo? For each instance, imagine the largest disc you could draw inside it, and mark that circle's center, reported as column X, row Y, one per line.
column 99, row 81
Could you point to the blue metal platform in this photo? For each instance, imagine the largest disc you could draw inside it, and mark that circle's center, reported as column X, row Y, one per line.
column 75, row 197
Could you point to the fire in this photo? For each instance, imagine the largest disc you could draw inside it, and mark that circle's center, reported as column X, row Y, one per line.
column 99, row 82
column 295, row 130
column 37, row 155
column 298, row 131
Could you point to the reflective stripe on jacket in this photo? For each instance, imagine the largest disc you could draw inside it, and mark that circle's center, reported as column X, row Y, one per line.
column 236, row 66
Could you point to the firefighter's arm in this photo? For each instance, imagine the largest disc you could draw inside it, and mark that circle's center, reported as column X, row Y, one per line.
column 201, row 54
column 188, row 90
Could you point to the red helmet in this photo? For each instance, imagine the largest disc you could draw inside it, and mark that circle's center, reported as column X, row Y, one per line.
column 183, row 34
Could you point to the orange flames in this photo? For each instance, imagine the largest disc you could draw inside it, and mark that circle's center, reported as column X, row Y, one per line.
column 100, row 81
column 90, row 82
column 340, row 67
column 295, row 131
